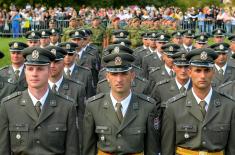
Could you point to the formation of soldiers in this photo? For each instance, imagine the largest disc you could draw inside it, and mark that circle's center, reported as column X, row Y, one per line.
column 84, row 91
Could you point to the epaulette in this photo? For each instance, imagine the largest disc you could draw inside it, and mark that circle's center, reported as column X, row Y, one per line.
column 65, row 97
column 163, row 81
column 141, row 78
column 146, row 98
column 136, row 67
column 175, row 98
column 93, row 98
column 76, row 81
column 91, row 53
column 224, row 84
column 4, row 67
column 148, row 54
column 155, row 69
column 101, row 81
column 226, row 95
column 13, row 95
column 86, row 68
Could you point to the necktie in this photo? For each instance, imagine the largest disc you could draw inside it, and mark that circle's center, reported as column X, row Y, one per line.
column 119, row 111
column 54, row 88
column 68, row 73
column 202, row 108
column 171, row 73
column 182, row 89
column 38, row 107
column 188, row 49
column 17, row 76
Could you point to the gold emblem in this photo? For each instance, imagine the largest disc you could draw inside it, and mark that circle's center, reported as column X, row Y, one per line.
column 162, row 37
column 35, row 54
column 171, row 48
column 122, row 43
column 18, row 136
column 121, row 34
column 43, row 33
column 116, row 50
column 221, row 46
column 68, row 46
column 201, row 37
column 153, row 35
column 32, row 34
column 53, row 51
column 203, row 55
column 76, row 33
column 118, row 61
column 15, row 45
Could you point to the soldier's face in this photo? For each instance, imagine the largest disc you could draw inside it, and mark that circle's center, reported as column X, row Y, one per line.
column 159, row 45
column 69, row 59
column 232, row 46
column 145, row 42
column 188, row 41
column 33, row 43
column 200, row 45
column 152, row 43
column 201, row 77
column 181, row 72
column 56, row 68
column 168, row 60
column 177, row 40
column 37, row 76
column 78, row 41
column 17, row 58
column 54, row 39
column 120, row 83
column 221, row 59
column 44, row 41
column 218, row 39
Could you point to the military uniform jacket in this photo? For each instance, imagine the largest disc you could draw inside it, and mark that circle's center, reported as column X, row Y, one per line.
column 83, row 74
column 183, row 124
column 138, row 132
column 165, row 90
column 150, row 62
column 8, row 72
column 54, row 132
column 139, row 56
column 229, row 75
column 139, row 85
column 228, row 88
column 6, row 87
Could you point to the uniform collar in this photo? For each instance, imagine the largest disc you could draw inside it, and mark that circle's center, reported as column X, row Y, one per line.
column 207, row 98
column 20, row 69
column 185, row 86
column 42, row 100
column 71, row 68
column 58, row 83
column 224, row 68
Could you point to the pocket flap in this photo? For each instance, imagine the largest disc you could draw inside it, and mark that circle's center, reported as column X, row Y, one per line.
column 103, row 130
column 187, row 127
column 57, row 127
column 18, row 127
column 136, row 130
column 220, row 127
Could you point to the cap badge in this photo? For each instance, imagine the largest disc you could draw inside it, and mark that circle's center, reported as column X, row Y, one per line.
column 118, row 61
column 219, row 31
column 203, row 55
column 116, row 50
column 171, row 48
column 153, row 35
column 18, row 136
column 121, row 34
column 33, row 34
column 189, row 31
column 15, row 45
column 35, row 54
column 183, row 57
column 221, row 46
column 76, row 33
column 68, row 46
column 178, row 33
column 53, row 30
column 43, row 33
column 201, row 37
column 162, row 37
column 122, row 43
column 53, row 51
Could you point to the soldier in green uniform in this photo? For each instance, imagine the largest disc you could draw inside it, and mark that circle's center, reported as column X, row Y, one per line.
column 44, row 38
column 73, row 25
column 54, row 36
column 169, row 88
column 121, row 122
column 201, row 40
column 223, row 72
column 38, row 121
column 218, row 35
column 14, row 73
column 177, row 37
column 33, row 38
column 200, row 121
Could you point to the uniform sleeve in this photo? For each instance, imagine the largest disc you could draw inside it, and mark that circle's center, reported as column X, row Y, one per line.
column 152, row 144
column 4, row 132
column 90, row 89
column 230, row 149
column 145, row 68
column 72, row 138
column 168, row 133
column 89, row 137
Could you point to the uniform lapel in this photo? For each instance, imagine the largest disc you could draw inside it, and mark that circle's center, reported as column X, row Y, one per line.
column 174, row 87
column 193, row 107
column 213, row 108
column 48, row 107
column 109, row 111
column 227, row 74
column 131, row 112
column 29, row 109
column 75, row 71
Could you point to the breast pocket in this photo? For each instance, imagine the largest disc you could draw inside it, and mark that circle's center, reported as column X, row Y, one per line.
column 19, row 135
column 218, row 133
column 135, row 136
column 57, row 135
column 104, row 133
column 185, row 132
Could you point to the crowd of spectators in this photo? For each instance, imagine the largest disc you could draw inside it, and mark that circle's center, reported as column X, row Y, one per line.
column 19, row 20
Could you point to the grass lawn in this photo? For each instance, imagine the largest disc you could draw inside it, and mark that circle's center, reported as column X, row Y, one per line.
column 5, row 49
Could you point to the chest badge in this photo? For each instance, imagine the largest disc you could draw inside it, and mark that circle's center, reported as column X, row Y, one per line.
column 18, row 136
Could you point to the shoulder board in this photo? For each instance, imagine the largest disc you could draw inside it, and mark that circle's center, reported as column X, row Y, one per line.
column 135, row 66
column 91, row 53
column 226, row 95
column 224, row 84
column 93, row 98
column 4, row 67
column 65, row 97
column 83, row 67
column 175, row 98
column 148, row 55
column 13, row 95
column 77, row 81
column 155, row 69
column 146, row 98
column 92, row 47
column 141, row 78
column 163, row 81
column 103, row 80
